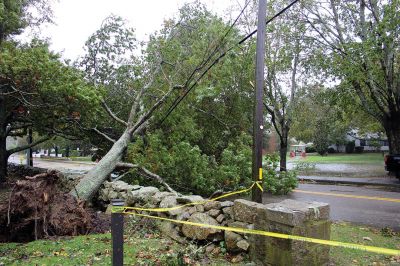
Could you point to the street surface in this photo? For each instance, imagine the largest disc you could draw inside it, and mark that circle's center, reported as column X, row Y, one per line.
column 378, row 213
column 60, row 165
column 373, row 212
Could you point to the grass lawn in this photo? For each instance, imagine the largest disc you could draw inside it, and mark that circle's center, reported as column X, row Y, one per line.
column 81, row 159
column 149, row 249
column 354, row 234
column 363, row 158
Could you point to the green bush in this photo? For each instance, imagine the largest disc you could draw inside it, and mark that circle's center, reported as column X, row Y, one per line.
column 310, row 149
column 278, row 182
column 331, row 150
column 185, row 168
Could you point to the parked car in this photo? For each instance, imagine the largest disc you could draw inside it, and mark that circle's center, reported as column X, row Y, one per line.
column 392, row 164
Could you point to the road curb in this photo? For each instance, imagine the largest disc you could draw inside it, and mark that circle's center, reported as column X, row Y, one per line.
column 348, row 182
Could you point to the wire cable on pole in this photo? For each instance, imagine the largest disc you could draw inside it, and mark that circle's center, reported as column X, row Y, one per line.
column 179, row 99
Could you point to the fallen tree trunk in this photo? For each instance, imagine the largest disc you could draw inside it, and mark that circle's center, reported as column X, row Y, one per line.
column 90, row 183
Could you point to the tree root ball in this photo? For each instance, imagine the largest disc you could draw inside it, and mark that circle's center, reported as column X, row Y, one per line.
column 37, row 209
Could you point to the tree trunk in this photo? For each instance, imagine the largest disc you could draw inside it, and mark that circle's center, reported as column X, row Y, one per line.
column 67, row 151
column 92, row 181
column 282, row 154
column 392, row 128
column 29, row 157
column 3, row 141
column 3, row 159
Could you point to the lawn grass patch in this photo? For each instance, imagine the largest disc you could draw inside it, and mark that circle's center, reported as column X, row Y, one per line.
column 81, row 159
column 363, row 235
column 364, row 158
column 96, row 250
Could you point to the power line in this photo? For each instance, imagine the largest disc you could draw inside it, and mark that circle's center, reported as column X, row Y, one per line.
column 205, row 62
column 179, row 99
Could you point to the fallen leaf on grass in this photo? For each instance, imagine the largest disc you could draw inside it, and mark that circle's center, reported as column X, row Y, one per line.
column 367, row 238
column 237, row 259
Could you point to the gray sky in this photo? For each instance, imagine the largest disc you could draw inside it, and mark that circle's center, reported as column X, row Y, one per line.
column 75, row 20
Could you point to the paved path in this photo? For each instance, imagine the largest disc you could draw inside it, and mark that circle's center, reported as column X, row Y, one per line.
column 60, row 165
column 373, row 212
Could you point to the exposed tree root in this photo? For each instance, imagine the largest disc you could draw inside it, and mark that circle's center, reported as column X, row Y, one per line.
column 38, row 209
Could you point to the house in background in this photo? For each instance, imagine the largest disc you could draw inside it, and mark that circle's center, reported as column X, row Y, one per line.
column 370, row 142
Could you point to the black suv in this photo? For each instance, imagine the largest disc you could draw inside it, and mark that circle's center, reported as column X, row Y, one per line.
column 392, row 164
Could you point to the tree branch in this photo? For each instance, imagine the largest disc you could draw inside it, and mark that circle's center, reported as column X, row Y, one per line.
column 147, row 173
column 104, row 135
column 27, row 146
column 113, row 116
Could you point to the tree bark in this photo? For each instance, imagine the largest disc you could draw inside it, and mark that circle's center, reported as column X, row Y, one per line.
column 282, row 154
column 3, row 140
column 3, row 159
column 92, row 181
column 392, row 128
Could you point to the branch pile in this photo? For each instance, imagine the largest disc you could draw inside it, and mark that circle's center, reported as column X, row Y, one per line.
column 37, row 209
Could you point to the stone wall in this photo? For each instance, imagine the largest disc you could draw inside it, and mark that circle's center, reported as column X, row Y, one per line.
column 291, row 217
column 220, row 213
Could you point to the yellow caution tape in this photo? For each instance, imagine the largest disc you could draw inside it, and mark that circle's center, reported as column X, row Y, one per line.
column 260, row 173
column 379, row 250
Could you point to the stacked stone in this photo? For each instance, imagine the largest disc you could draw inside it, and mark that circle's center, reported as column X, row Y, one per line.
column 310, row 219
column 219, row 213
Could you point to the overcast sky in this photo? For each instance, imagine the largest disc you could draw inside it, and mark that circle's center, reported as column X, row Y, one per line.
column 75, row 20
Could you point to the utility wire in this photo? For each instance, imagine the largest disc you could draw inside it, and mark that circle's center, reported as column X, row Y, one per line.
column 177, row 102
column 221, row 43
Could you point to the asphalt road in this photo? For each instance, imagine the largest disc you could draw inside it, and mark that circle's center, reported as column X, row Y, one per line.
column 377, row 213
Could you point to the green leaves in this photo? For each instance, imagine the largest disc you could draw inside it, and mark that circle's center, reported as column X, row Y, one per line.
column 51, row 93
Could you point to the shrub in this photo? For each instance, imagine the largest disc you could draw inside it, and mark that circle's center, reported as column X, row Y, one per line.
column 331, row 150
column 350, row 146
column 185, row 168
column 310, row 149
column 359, row 149
column 278, row 183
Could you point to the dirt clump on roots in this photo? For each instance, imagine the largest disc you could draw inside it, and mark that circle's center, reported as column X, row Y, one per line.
column 37, row 208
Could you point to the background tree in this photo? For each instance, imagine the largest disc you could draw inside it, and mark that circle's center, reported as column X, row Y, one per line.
column 285, row 54
column 358, row 42
column 37, row 90
column 41, row 93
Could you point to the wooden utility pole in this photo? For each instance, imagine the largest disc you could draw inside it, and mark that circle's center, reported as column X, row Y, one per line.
column 258, row 122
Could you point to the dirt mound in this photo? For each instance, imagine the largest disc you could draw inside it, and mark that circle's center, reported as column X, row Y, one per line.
column 37, row 209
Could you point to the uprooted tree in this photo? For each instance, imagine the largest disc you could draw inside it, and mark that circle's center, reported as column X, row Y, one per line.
column 135, row 88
